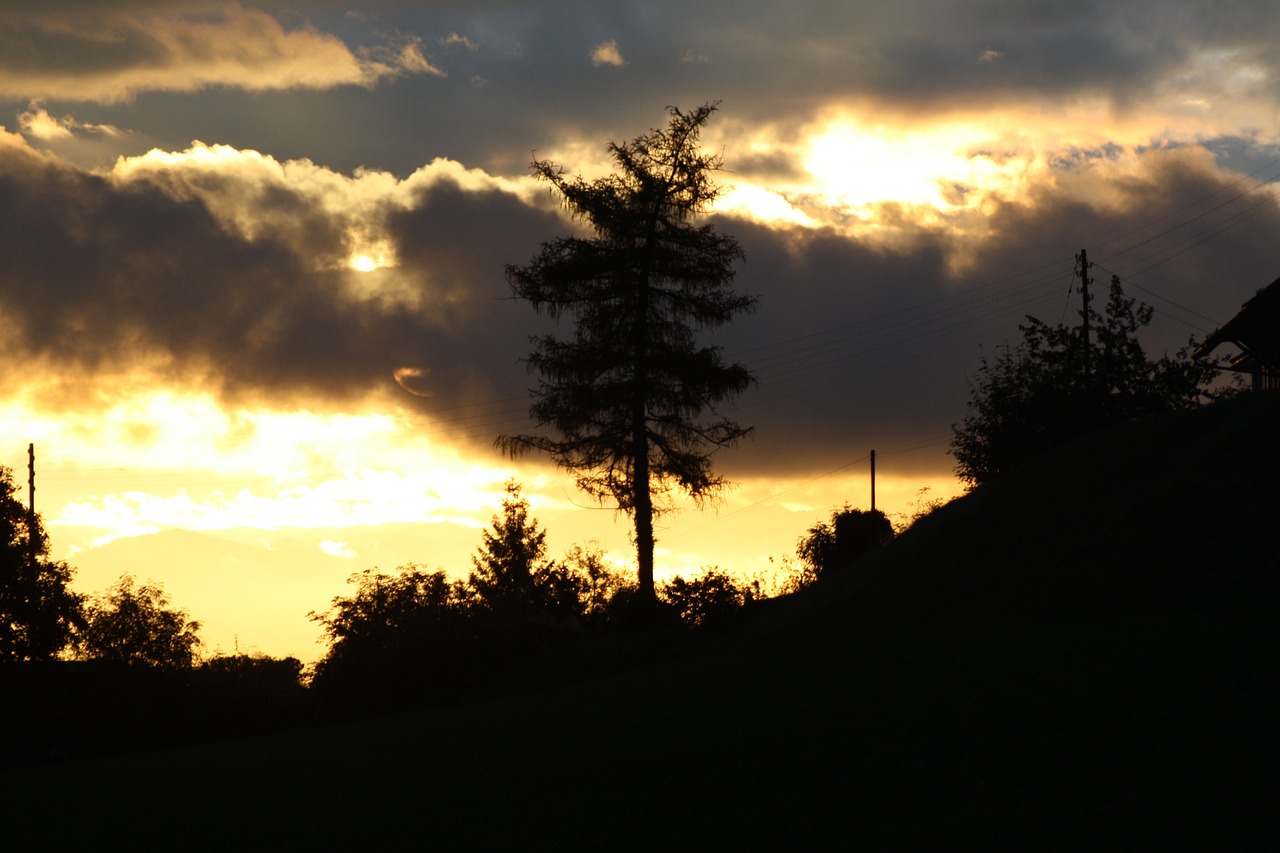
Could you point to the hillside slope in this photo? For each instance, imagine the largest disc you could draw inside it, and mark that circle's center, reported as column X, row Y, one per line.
column 1083, row 654
column 1171, row 511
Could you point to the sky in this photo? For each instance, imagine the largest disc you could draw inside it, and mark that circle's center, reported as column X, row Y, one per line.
column 257, row 325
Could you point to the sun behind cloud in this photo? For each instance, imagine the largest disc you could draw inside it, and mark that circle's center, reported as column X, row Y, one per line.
column 857, row 164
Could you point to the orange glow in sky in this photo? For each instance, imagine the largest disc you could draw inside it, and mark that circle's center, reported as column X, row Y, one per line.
column 257, row 324
column 251, row 519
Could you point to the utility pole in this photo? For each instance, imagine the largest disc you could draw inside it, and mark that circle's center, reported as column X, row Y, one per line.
column 1083, row 260
column 873, row 481
column 33, row 543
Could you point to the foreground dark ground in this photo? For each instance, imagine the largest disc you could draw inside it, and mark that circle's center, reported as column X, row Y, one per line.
column 1084, row 654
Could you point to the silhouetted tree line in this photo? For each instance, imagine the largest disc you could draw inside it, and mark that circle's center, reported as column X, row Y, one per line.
column 1056, row 385
column 123, row 669
column 519, row 618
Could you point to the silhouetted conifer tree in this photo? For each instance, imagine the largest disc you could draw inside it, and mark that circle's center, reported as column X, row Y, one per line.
column 511, row 578
column 625, row 397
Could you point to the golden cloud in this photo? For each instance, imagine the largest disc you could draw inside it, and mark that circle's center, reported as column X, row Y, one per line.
column 118, row 55
column 607, row 53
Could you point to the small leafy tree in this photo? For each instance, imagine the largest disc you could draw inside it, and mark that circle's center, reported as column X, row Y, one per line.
column 38, row 611
column 712, row 598
column 396, row 636
column 600, row 584
column 511, row 579
column 1051, row 388
column 390, row 614
column 626, row 396
column 134, row 624
column 838, row 544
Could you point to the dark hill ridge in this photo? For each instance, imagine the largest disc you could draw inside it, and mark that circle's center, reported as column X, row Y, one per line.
column 1083, row 655
column 1176, row 511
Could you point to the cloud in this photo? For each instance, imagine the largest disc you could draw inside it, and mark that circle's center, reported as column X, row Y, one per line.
column 460, row 40
column 1132, row 70
column 607, row 53
column 336, row 548
column 392, row 59
column 112, row 54
column 226, row 271
column 409, row 377
column 861, row 343
column 37, row 123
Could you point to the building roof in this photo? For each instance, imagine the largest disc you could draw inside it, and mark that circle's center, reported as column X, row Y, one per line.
column 1255, row 330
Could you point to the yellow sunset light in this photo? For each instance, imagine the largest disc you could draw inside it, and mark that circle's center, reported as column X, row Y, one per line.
column 857, row 164
column 363, row 263
column 370, row 249
column 168, row 460
column 762, row 205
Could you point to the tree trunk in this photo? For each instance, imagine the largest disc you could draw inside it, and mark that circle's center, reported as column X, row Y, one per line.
column 642, row 497
column 644, row 519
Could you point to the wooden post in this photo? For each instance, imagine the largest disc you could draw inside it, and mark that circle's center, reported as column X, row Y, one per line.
column 873, row 481
column 33, row 543
column 1084, row 293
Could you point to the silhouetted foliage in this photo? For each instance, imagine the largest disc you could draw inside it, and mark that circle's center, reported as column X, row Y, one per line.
column 625, row 397
column 134, row 624
column 392, row 618
column 252, row 688
column 599, row 584
column 253, row 674
column 794, row 576
column 922, row 506
column 511, row 579
column 38, row 612
column 839, row 544
column 712, row 598
column 1050, row 388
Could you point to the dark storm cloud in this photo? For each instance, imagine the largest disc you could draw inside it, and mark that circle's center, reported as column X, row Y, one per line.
column 776, row 65
column 104, row 276
column 458, row 243
column 859, row 347
column 510, row 78
column 111, row 52
column 859, row 343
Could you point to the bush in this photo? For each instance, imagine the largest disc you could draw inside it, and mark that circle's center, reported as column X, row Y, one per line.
column 713, row 598
column 837, row 545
